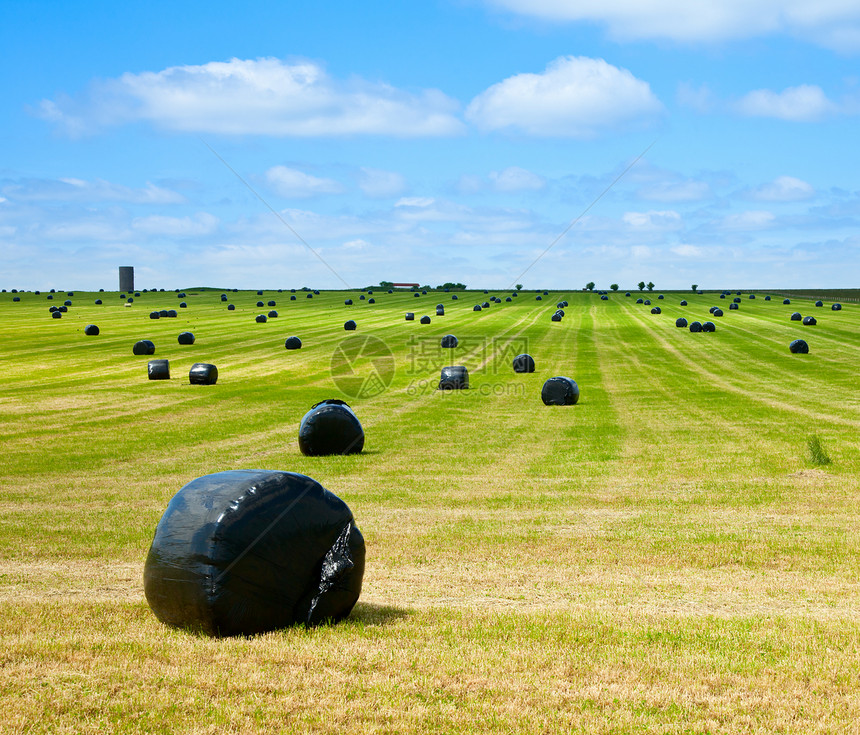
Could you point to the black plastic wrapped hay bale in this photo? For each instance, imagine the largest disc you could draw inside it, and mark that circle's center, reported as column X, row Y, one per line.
column 273, row 314
column 560, row 312
column 809, row 321
column 709, row 327
column 410, row 316
column 163, row 313
column 371, row 301
column 508, row 299
column 695, row 326
column 231, row 307
column 640, row 301
column 538, row 298
column 559, row 391
column 183, row 305
column 796, row 317
column 836, row 307
column 680, row 322
column 260, row 304
column 736, row 300
column 786, row 301
column 261, row 319
column 656, row 310
column 292, row 298
column 556, row 317
column 476, row 307
column 767, row 298
column 361, row 298
column 185, row 338
column 98, row 302
column 143, row 347
column 158, row 369
column 154, row 315
column 722, row 296
column 425, row 319
column 16, row 298
column 203, row 373
column 57, row 314
column 449, row 341
column 292, row 343
column 454, row 377
column 440, row 311
column 733, row 307
column 752, row 296
column 717, row 312
column 647, row 302
column 67, row 303
column 485, row 305
column 819, row 303
column 349, row 325
column 271, row 303
column 683, row 302
column 524, row 363
column 91, row 330
column 454, row 297
column 799, row 347
column 416, row 295
column 330, row 427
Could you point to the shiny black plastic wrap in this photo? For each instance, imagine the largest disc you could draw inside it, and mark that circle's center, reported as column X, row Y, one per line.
column 143, row 347
column 560, row 391
column 809, row 321
column 185, row 338
column 799, row 347
column 680, row 322
column 449, row 341
column 330, row 427
column 454, row 377
column 158, row 369
column 91, row 330
column 349, row 325
column 248, row 551
column 524, row 364
column 292, row 343
column 203, row 373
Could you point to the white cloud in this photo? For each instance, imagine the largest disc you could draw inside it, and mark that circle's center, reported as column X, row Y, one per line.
column 415, row 202
column 688, row 251
column 782, row 189
column 750, row 220
column 201, row 224
column 295, row 184
column 653, row 220
column 264, row 96
column 515, row 178
column 805, row 103
column 833, row 23
column 357, row 244
column 575, row 97
column 675, row 191
column 379, row 184
column 78, row 190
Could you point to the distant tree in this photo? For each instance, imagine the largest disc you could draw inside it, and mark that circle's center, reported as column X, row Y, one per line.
column 695, row 287
column 641, row 285
column 452, row 286
column 386, row 284
column 590, row 285
column 614, row 287
column 650, row 286
column 519, row 287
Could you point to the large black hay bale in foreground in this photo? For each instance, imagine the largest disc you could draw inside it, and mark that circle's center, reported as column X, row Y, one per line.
column 709, row 327
column 91, row 330
column 449, row 341
column 185, row 338
column 796, row 317
column 524, row 364
column 410, row 316
column 249, row 551
column 144, row 347
column 330, row 427
column 799, row 347
column 203, row 373
column 158, row 369
column 292, row 343
column 425, row 319
column 680, row 322
column 440, row 310
column 809, row 321
column 556, row 317
column 559, row 391
column 454, row 377
column 349, row 325
column 836, row 307
column 695, row 326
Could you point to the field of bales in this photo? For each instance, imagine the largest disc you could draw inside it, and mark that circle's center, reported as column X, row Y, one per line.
column 679, row 552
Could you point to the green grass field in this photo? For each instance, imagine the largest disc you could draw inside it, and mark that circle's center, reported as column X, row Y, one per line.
column 665, row 556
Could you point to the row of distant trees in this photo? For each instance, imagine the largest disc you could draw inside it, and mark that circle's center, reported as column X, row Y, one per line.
column 642, row 286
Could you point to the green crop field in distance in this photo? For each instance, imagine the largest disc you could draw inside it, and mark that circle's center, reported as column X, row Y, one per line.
column 671, row 554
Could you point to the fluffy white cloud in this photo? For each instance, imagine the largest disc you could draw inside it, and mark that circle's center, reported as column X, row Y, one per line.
column 515, row 178
column 751, row 220
column 574, row 97
column 79, row 190
column 653, row 220
column 834, row 23
column 782, row 189
column 805, row 103
column 379, row 184
column 201, row 223
column 259, row 97
column 295, row 184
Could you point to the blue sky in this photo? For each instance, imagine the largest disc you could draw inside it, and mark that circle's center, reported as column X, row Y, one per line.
column 280, row 145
